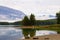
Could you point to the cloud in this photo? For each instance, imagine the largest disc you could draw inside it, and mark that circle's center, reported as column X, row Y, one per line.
column 33, row 6
column 37, row 7
column 3, row 17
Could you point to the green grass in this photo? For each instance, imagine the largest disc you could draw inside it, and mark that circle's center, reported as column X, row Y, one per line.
column 55, row 27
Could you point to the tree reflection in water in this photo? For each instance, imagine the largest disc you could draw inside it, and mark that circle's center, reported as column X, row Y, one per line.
column 28, row 33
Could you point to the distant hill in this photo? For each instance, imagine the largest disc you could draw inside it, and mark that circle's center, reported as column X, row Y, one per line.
column 10, row 14
column 46, row 22
column 40, row 22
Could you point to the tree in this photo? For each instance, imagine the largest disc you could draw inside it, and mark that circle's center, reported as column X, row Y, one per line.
column 29, row 22
column 32, row 20
column 25, row 21
column 58, row 17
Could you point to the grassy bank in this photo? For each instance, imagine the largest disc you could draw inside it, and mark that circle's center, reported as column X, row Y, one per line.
column 54, row 27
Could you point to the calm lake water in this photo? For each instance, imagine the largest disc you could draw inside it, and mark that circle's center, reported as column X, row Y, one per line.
column 8, row 32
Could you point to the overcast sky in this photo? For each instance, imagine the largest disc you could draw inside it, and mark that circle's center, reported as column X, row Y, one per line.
column 38, row 7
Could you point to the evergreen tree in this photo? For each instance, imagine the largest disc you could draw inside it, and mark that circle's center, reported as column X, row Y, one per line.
column 25, row 21
column 29, row 22
column 58, row 17
column 32, row 20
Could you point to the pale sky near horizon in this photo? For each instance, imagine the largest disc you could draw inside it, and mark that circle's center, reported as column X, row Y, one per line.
column 38, row 7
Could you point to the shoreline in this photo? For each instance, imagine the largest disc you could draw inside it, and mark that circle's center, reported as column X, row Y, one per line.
column 46, row 37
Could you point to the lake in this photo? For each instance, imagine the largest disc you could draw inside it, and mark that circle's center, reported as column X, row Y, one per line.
column 9, row 32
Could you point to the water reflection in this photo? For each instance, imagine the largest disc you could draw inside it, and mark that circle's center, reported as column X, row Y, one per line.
column 28, row 32
column 34, row 32
column 12, row 33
